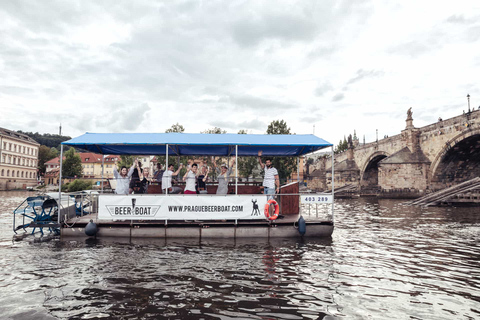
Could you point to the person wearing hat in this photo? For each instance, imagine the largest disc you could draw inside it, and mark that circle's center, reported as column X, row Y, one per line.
column 223, row 175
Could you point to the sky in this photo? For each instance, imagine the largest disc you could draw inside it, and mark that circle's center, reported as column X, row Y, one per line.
column 326, row 67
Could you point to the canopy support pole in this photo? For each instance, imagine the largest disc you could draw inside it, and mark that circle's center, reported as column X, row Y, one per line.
column 236, row 169
column 333, row 185
column 298, row 171
column 103, row 165
column 166, row 169
column 60, row 183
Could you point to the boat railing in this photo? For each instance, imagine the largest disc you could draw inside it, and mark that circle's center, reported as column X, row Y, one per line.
column 312, row 206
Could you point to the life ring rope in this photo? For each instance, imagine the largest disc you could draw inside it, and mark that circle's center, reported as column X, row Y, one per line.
column 267, row 210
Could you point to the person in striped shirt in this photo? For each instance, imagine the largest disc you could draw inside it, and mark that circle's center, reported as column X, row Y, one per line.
column 270, row 180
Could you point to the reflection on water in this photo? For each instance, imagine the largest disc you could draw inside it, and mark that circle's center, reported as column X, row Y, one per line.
column 385, row 260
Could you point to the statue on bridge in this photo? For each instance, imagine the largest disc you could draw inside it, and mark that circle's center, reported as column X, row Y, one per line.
column 409, row 114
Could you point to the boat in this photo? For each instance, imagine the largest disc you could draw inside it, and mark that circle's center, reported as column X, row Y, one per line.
column 246, row 213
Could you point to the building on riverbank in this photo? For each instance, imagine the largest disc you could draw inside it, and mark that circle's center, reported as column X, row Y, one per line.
column 18, row 160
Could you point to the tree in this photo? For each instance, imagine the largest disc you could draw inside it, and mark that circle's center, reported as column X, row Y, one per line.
column 47, row 139
column 176, row 128
column 284, row 165
column 125, row 161
column 341, row 146
column 173, row 159
column 278, row 127
column 246, row 165
column 44, row 155
column 214, row 130
column 72, row 166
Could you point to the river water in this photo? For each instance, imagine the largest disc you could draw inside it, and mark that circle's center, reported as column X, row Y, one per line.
column 384, row 261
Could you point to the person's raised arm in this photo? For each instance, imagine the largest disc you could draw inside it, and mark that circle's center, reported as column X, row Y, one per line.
column 115, row 172
column 230, row 168
column 260, row 159
column 130, row 172
column 140, row 171
column 186, row 173
column 217, row 170
column 214, row 163
column 178, row 170
column 206, row 175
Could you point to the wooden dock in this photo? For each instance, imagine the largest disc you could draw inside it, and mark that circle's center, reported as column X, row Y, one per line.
column 467, row 192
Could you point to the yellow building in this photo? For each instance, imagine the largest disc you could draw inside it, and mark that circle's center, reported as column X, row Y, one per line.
column 18, row 160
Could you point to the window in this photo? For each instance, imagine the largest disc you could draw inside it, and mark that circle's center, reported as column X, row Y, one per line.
column 23, row 149
column 5, row 145
column 8, row 173
column 22, row 174
column 18, row 174
column 10, row 146
column 3, row 172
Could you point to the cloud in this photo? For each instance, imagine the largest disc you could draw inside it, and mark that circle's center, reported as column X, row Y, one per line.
column 15, row 90
column 322, row 89
column 311, row 118
column 256, row 103
column 363, row 74
column 412, row 49
column 253, row 124
column 271, row 25
column 120, row 117
column 338, row 97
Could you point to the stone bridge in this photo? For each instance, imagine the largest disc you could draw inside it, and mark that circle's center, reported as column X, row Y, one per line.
column 416, row 160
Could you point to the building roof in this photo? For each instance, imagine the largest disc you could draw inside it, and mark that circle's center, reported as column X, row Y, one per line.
column 53, row 161
column 87, row 157
column 17, row 135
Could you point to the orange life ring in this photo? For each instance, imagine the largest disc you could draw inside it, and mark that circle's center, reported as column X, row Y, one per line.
column 267, row 207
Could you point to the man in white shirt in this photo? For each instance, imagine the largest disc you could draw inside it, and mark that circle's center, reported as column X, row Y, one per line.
column 270, row 179
column 167, row 180
column 190, row 178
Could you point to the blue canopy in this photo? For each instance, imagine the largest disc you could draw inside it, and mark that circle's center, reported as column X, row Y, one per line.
column 198, row 144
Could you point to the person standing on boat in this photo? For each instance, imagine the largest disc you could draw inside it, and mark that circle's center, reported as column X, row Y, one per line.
column 167, row 180
column 270, row 180
column 145, row 180
column 202, row 179
column 122, row 178
column 190, row 178
column 135, row 182
column 159, row 173
column 223, row 176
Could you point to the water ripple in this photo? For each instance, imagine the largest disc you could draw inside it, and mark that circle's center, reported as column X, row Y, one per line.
column 385, row 260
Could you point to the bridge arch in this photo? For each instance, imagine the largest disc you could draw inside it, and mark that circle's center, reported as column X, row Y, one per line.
column 369, row 171
column 457, row 161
